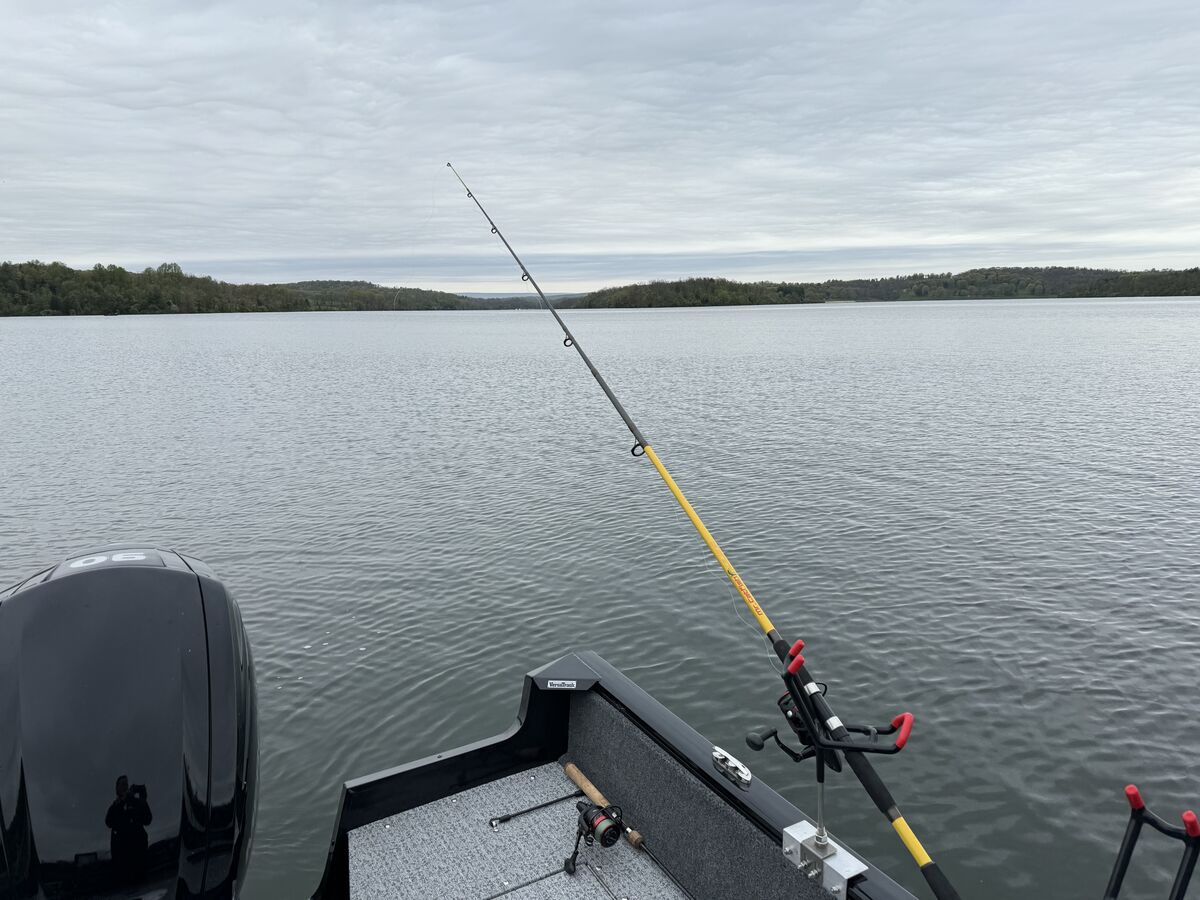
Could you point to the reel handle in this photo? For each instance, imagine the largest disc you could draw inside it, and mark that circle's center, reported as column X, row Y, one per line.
column 756, row 740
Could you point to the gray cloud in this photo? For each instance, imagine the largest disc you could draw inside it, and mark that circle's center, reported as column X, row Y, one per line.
column 614, row 142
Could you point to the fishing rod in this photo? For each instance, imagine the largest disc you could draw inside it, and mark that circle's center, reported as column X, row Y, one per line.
column 805, row 706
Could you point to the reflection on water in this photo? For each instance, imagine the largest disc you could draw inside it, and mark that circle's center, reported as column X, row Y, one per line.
column 987, row 513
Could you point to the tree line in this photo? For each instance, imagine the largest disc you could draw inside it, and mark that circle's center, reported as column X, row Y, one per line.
column 53, row 289
column 692, row 292
column 1051, row 281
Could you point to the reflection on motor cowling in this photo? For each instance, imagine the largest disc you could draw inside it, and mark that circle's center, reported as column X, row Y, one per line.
column 127, row 818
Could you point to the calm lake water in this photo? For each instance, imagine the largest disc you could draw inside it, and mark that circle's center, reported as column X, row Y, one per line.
column 985, row 512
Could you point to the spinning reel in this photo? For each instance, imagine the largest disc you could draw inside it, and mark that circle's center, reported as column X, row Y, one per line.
column 595, row 823
column 804, row 708
column 803, row 724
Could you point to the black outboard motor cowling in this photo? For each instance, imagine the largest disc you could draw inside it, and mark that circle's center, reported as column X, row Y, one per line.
column 128, row 732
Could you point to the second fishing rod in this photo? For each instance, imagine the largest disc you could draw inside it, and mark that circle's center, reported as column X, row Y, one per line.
column 809, row 713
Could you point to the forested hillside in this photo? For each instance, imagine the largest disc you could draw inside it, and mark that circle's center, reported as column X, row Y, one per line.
column 692, row 292
column 41, row 289
column 1054, row 281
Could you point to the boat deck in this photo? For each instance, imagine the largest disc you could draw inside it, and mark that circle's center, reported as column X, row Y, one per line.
column 448, row 849
column 423, row 829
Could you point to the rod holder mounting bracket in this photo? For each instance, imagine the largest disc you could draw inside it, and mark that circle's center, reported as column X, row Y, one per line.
column 831, row 865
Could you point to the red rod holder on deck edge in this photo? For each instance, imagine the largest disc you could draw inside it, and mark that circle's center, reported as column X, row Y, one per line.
column 1189, row 834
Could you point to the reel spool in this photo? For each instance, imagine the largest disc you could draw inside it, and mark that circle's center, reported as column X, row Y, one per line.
column 598, row 823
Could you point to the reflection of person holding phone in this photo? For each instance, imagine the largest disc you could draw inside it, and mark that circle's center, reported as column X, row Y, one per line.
column 127, row 819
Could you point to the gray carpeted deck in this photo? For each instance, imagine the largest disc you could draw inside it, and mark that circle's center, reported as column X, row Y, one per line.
column 447, row 849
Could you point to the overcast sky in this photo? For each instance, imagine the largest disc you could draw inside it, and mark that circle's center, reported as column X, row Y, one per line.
column 613, row 142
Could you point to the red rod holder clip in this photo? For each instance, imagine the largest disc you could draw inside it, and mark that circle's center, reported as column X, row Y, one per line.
column 795, row 664
column 1134, row 796
column 905, row 722
column 1191, row 825
column 796, row 648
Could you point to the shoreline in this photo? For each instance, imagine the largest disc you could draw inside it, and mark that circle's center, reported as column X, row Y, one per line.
column 53, row 289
